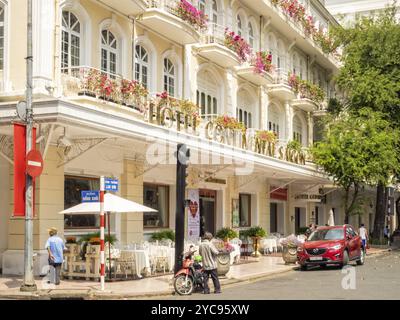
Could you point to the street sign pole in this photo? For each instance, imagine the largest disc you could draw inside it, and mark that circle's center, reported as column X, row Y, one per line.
column 102, row 258
column 29, row 281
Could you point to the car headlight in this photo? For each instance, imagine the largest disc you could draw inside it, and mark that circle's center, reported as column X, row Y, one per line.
column 336, row 247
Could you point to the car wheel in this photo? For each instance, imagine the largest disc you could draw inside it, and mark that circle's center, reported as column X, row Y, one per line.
column 361, row 261
column 345, row 258
column 303, row 267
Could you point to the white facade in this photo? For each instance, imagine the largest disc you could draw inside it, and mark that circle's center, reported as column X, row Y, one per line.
column 84, row 134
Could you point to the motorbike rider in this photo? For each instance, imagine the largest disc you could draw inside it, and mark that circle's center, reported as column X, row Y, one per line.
column 209, row 253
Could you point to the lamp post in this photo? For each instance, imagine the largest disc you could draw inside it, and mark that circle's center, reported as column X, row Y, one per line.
column 182, row 155
column 29, row 281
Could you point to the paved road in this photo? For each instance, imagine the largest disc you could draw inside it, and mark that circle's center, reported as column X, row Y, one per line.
column 379, row 278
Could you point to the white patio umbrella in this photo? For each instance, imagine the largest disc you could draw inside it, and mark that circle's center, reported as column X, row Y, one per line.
column 331, row 220
column 112, row 203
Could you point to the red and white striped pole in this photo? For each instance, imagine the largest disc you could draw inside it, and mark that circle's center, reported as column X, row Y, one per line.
column 102, row 264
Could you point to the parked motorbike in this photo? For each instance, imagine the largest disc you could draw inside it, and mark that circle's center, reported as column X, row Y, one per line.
column 191, row 276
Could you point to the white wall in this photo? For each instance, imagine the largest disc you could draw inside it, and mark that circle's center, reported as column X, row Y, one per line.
column 4, row 205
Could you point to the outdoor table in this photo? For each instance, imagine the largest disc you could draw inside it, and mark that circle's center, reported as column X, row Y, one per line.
column 142, row 261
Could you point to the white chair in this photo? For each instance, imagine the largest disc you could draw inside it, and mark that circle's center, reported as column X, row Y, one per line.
column 126, row 263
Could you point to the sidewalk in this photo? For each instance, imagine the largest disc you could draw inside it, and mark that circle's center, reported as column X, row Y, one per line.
column 147, row 287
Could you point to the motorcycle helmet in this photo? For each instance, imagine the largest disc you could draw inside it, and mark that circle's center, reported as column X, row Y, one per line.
column 198, row 258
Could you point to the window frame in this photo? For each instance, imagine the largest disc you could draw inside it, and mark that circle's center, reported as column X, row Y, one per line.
column 138, row 60
column 70, row 34
column 167, row 75
column 249, row 210
column 167, row 225
column 107, row 47
column 69, row 176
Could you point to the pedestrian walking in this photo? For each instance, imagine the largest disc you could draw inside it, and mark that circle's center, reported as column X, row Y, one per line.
column 363, row 232
column 386, row 234
column 55, row 248
column 209, row 253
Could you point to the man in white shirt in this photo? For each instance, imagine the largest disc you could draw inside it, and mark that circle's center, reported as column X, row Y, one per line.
column 363, row 232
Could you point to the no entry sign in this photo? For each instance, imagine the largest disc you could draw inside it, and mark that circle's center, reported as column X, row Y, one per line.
column 34, row 163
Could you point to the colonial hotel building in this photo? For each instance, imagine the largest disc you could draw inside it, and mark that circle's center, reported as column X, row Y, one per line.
column 92, row 120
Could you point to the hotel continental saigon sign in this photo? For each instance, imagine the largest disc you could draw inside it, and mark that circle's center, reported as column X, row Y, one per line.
column 168, row 117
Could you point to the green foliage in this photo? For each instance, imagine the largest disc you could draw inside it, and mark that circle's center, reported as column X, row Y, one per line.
column 255, row 232
column 225, row 233
column 163, row 235
column 334, row 107
column 87, row 237
column 358, row 149
column 294, row 145
column 370, row 75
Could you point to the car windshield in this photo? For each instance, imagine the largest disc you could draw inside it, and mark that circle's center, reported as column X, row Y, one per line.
column 327, row 234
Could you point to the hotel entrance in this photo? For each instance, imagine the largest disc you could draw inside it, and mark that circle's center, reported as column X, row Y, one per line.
column 207, row 211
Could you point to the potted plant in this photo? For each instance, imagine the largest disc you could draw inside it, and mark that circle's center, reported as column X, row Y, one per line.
column 224, row 256
column 256, row 233
column 289, row 248
column 226, row 234
column 163, row 235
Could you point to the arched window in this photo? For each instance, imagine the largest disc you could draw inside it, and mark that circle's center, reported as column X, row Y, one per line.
column 245, row 109
column 302, row 68
column 208, row 94
column 295, row 63
column 251, row 35
column 142, row 66
column 169, row 77
column 109, row 52
column 239, row 25
column 202, row 6
column 297, row 129
column 281, row 56
column 274, row 120
column 214, row 12
column 70, row 41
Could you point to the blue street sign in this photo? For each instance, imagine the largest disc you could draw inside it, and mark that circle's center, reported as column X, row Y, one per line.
column 90, row 196
column 110, row 184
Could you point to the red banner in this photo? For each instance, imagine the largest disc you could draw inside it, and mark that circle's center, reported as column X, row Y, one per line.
column 20, row 168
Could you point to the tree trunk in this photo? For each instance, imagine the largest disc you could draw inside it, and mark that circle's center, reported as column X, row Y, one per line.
column 379, row 223
column 349, row 208
column 398, row 213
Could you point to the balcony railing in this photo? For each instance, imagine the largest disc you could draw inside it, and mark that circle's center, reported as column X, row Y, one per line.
column 215, row 34
column 98, row 84
column 280, row 76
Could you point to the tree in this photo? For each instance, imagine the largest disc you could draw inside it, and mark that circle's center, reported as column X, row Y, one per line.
column 370, row 77
column 357, row 149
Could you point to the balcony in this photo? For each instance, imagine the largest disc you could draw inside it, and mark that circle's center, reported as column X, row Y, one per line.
column 213, row 48
column 163, row 17
column 129, row 7
column 248, row 73
column 280, row 87
column 293, row 29
column 99, row 89
column 305, row 104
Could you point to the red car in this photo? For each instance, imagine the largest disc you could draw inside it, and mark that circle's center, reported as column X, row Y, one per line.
column 335, row 245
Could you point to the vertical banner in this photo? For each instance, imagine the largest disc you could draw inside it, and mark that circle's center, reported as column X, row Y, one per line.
column 20, row 168
column 193, row 215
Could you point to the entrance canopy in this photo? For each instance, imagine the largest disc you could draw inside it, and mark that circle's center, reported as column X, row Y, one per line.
column 112, row 203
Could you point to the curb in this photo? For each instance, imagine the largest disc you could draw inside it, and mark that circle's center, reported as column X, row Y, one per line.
column 91, row 294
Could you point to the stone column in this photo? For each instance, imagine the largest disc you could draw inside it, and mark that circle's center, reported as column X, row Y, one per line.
column 43, row 45
column 231, row 192
column 263, row 205
column 264, row 109
column 310, row 129
column 132, row 189
column 231, row 95
column 289, row 213
column 5, row 212
column 289, row 122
